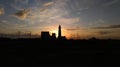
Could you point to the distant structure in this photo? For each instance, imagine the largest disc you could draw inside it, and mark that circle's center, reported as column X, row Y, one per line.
column 60, row 37
column 53, row 37
column 59, row 31
column 45, row 35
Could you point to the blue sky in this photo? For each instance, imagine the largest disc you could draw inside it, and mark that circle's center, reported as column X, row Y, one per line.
column 88, row 18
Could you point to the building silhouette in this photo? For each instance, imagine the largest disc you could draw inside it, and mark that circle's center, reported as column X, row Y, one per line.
column 60, row 37
column 59, row 31
column 53, row 37
column 45, row 35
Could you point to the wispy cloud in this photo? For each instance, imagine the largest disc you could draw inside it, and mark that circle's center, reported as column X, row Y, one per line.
column 110, row 3
column 43, row 13
column 3, row 22
column 22, row 1
column 48, row 4
column 20, row 4
column 16, row 7
column 77, row 28
column 22, row 14
column 43, row 10
column 2, row 11
column 104, row 32
column 108, row 27
column 68, row 20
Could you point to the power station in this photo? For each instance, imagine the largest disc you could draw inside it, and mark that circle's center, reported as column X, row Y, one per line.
column 46, row 36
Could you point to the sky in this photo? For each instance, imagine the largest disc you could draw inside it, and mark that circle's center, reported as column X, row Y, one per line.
column 78, row 18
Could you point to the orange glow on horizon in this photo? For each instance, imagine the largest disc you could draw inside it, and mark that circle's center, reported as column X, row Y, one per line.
column 54, row 31
column 64, row 32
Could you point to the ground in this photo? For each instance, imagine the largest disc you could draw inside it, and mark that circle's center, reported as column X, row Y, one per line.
column 58, row 53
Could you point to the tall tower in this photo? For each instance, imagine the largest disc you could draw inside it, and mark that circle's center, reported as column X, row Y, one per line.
column 59, row 31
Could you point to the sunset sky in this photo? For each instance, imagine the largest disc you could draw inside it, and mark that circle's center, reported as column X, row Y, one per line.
column 83, row 18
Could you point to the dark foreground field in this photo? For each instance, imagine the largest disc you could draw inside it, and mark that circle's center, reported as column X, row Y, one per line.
column 55, row 53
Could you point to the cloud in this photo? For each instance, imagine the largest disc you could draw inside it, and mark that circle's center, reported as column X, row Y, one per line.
column 2, row 11
column 108, row 27
column 22, row 1
column 22, row 14
column 104, row 32
column 3, row 22
column 110, row 3
column 72, row 29
column 48, row 4
column 17, row 7
column 77, row 28
column 20, row 4
column 68, row 20
column 43, row 10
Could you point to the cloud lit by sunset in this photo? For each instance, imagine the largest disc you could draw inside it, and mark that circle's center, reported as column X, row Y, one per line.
column 81, row 18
